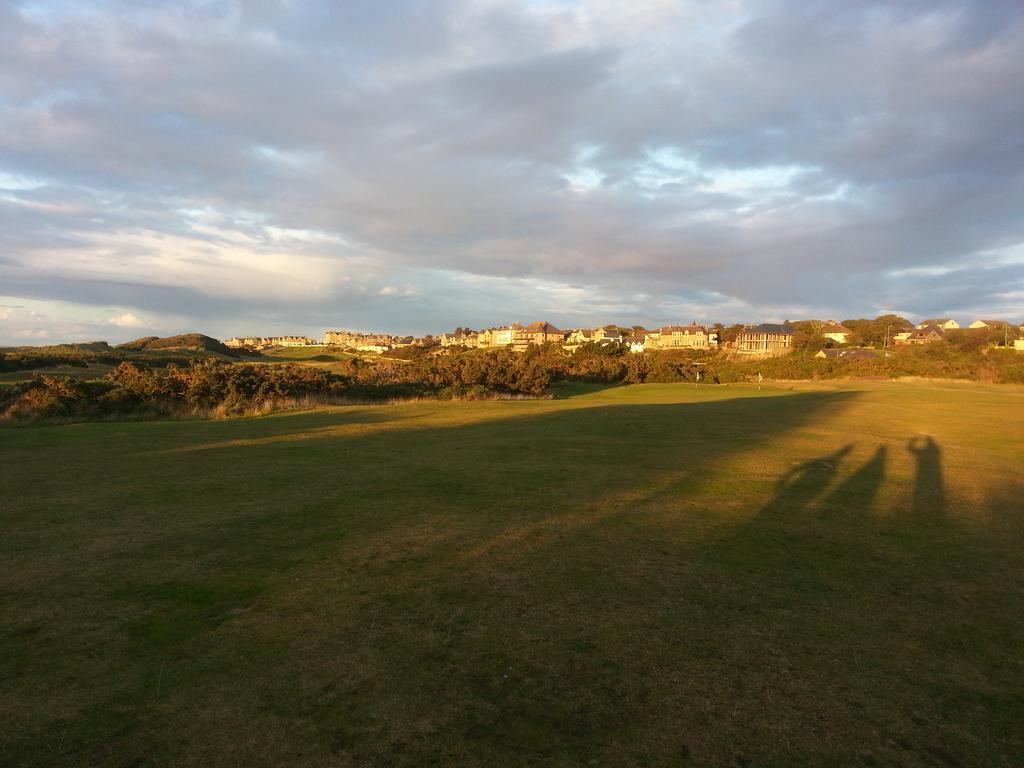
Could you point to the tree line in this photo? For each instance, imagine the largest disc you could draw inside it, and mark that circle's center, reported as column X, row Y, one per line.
column 210, row 386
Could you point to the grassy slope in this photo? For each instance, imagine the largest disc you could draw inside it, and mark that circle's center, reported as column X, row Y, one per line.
column 94, row 370
column 321, row 357
column 299, row 354
column 315, row 357
column 637, row 576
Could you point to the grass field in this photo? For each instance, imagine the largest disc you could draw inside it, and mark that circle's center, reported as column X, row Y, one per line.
column 647, row 575
column 322, row 357
column 304, row 354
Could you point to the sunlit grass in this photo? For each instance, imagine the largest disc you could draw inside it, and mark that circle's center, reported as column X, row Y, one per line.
column 818, row 574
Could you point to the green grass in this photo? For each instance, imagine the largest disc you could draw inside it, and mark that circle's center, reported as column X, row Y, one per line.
column 303, row 354
column 326, row 358
column 645, row 575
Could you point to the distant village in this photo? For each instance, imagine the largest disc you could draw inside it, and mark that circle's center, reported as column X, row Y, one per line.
column 765, row 339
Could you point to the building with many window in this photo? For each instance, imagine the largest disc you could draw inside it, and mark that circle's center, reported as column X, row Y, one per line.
column 538, row 333
column 355, row 339
column 765, row 339
column 691, row 336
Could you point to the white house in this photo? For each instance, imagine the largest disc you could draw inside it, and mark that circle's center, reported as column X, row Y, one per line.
column 944, row 323
column 836, row 332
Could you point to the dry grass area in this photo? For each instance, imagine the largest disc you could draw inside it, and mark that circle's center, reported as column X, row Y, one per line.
column 821, row 574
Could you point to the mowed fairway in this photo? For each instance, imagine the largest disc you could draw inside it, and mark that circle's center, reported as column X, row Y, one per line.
column 648, row 575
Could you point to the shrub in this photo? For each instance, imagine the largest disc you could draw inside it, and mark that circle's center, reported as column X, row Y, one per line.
column 210, row 386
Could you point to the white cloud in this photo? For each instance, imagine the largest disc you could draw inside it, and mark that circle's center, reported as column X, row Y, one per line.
column 395, row 290
column 751, row 157
column 127, row 320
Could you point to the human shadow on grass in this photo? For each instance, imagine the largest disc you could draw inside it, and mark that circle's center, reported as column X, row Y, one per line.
column 929, row 489
column 805, row 482
column 803, row 492
column 785, row 541
column 834, row 576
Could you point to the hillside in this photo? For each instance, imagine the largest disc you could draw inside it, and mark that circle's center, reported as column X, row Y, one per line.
column 98, row 347
column 197, row 341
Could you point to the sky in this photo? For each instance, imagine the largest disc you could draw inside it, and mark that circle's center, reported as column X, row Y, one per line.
column 292, row 166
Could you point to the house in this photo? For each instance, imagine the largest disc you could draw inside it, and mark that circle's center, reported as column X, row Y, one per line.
column 607, row 333
column 691, row 336
column 579, row 336
column 342, row 338
column 539, row 333
column 991, row 324
column 264, row 342
column 461, row 338
column 635, row 343
column 927, row 335
column 604, row 335
column 836, row 332
column 901, row 338
column 1018, row 344
column 498, row 337
column 765, row 339
column 354, row 339
column 858, row 353
column 505, row 336
column 291, row 341
column 945, row 323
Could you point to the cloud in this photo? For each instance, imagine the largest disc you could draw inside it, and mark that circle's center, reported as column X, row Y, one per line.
column 298, row 167
column 394, row 290
column 127, row 320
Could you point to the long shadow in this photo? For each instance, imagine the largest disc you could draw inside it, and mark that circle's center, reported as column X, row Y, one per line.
column 929, row 499
column 570, row 389
column 802, row 484
column 783, row 541
column 859, row 490
column 807, row 531
column 335, row 423
column 502, row 472
column 175, row 436
column 363, row 530
column 358, row 587
column 527, row 467
column 850, row 606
